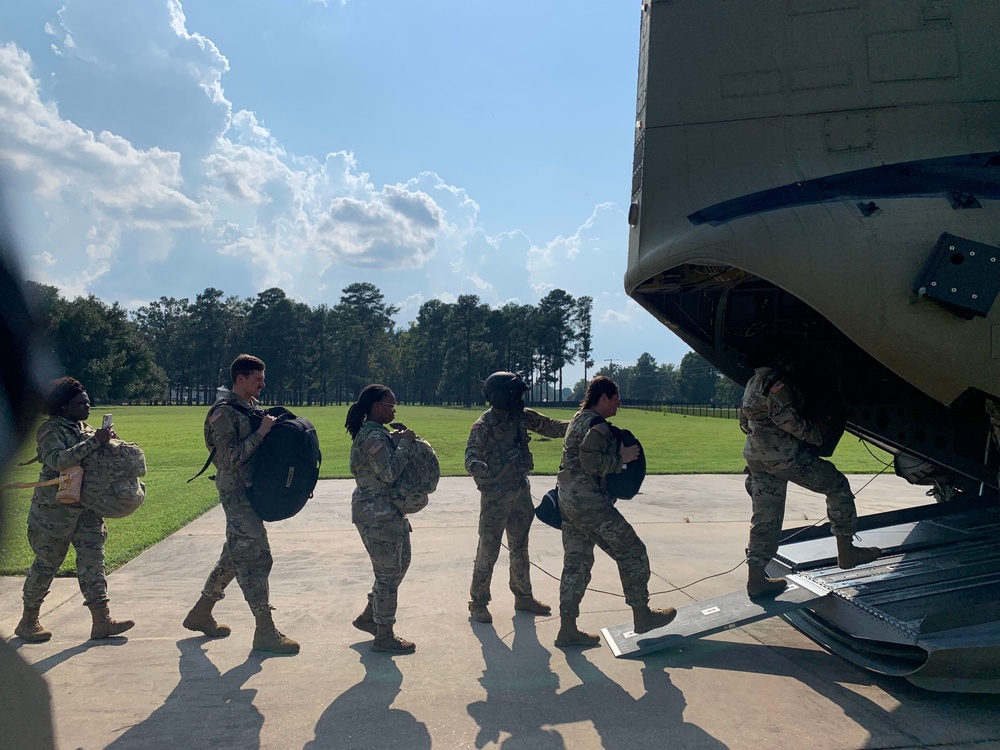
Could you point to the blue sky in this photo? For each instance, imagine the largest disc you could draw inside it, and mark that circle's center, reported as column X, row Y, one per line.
column 432, row 147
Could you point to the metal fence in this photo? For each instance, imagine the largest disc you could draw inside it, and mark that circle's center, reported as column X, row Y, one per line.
column 691, row 410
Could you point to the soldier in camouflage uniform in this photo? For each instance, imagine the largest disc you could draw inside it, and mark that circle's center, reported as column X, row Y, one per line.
column 378, row 458
column 64, row 440
column 589, row 517
column 497, row 456
column 777, row 451
column 993, row 412
column 246, row 554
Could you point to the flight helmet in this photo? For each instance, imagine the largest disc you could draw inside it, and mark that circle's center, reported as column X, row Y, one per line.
column 505, row 390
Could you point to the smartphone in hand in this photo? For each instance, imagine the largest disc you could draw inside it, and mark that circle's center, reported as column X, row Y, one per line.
column 107, row 422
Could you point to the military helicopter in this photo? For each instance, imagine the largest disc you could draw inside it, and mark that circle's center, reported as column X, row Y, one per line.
column 827, row 172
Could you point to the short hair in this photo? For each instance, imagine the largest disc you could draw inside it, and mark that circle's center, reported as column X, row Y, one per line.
column 244, row 365
column 60, row 392
column 599, row 386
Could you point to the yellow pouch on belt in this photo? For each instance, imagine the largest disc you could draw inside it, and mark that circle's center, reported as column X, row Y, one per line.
column 70, row 483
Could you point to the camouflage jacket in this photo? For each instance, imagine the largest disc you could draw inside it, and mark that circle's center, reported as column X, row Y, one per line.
column 769, row 415
column 377, row 464
column 62, row 443
column 589, row 454
column 500, row 439
column 230, row 434
column 993, row 411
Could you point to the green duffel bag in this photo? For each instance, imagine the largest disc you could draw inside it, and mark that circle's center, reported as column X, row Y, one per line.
column 419, row 478
column 111, row 486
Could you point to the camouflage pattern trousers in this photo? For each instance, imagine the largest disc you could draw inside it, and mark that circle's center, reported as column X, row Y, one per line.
column 596, row 522
column 505, row 508
column 768, row 484
column 51, row 529
column 246, row 555
column 389, row 550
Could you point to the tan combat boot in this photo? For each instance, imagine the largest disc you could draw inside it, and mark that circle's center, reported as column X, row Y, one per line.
column 104, row 626
column 849, row 556
column 531, row 604
column 365, row 621
column 570, row 635
column 200, row 619
column 268, row 638
column 479, row 612
column 645, row 619
column 386, row 640
column 29, row 629
column 759, row 586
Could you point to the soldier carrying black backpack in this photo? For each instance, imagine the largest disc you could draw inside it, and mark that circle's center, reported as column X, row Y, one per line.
column 235, row 432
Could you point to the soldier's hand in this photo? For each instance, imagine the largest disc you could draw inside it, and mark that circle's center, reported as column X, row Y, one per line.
column 408, row 435
column 478, row 468
column 266, row 424
column 629, row 453
column 104, row 435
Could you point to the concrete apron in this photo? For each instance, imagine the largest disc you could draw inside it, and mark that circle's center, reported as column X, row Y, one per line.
column 471, row 685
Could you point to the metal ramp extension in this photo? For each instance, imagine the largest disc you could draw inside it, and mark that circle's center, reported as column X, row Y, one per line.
column 711, row 616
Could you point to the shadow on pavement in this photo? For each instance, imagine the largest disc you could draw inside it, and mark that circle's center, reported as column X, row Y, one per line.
column 847, row 686
column 363, row 717
column 49, row 662
column 521, row 690
column 523, row 700
column 206, row 709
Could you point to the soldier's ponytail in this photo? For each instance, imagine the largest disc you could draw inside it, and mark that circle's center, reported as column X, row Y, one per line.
column 358, row 413
column 599, row 386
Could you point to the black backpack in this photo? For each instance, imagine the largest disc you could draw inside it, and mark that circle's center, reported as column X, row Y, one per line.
column 548, row 509
column 285, row 466
column 626, row 483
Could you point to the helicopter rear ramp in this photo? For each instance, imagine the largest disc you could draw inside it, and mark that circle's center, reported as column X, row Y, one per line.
column 927, row 610
column 705, row 618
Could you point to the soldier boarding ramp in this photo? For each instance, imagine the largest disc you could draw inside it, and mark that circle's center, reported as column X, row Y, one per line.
column 928, row 609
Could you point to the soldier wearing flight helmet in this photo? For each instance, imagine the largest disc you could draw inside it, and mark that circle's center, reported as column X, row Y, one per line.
column 498, row 458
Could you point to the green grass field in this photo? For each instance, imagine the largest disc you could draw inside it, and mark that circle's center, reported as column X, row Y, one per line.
column 171, row 436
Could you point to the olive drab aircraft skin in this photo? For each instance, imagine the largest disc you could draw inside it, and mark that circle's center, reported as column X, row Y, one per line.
column 827, row 172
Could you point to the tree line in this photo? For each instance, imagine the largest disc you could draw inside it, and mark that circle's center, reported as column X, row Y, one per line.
column 179, row 350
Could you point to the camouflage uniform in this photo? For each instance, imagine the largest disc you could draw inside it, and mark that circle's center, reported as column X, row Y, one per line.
column 776, row 453
column 52, row 527
column 499, row 439
column 589, row 516
column 993, row 411
column 377, row 463
column 246, row 554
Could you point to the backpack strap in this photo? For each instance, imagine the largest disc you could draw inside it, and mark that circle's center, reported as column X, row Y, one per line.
column 250, row 414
